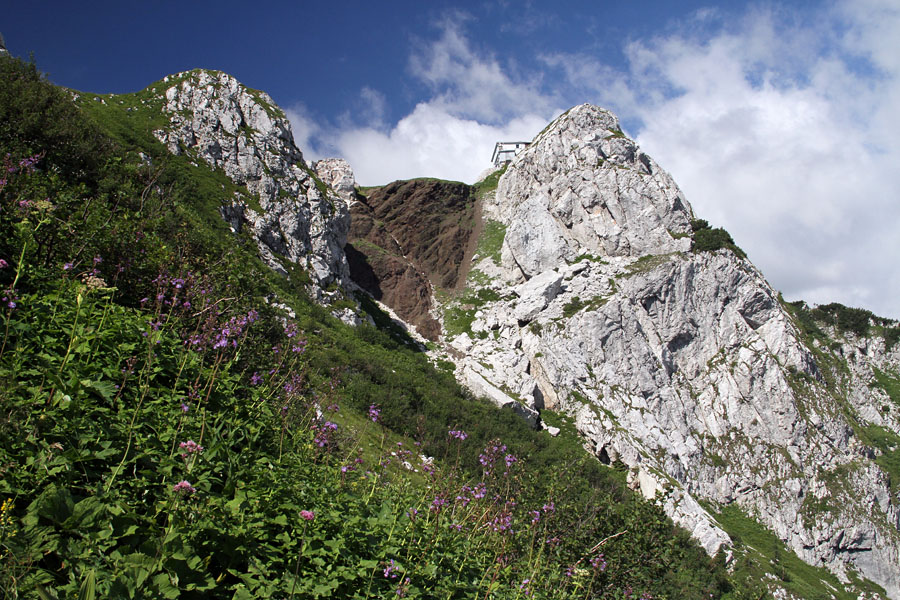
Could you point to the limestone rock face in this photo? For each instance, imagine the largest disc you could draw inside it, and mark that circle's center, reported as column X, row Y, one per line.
column 337, row 174
column 583, row 187
column 291, row 213
column 686, row 367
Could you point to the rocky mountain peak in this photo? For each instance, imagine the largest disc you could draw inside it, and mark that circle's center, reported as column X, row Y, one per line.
column 583, row 187
column 337, row 174
column 291, row 213
column 576, row 287
column 682, row 365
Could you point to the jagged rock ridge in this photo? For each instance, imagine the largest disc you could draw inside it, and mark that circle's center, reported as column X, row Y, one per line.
column 686, row 367
column 292, row 215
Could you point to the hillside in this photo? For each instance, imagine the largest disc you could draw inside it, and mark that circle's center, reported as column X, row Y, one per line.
column 183, row 419
column 204, row 401
column 603, row 297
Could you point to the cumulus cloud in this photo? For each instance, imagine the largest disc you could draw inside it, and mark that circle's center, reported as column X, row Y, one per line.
column 784, row 133
column 474, row 103
column 430, row 141
column 474, row 84
column 778, row 127
column 305, row 129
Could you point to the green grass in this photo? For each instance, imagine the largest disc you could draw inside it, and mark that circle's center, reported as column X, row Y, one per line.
column 645, row 264
column 589, row 257
column 888, row 443
column 576, row 305
column 889, row 382
column 573, row 306
column 758, row 551
column 491, row 241
column 477, row 278
column 273, row 111
column 489, row 183
column 804, row 320
column 460, row 312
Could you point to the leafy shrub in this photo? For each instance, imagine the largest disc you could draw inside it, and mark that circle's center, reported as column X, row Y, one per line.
column 891, row 336
column 844, row 318
column 573, row 306
column 708, row 239
column 37, row 117
column 805, row 320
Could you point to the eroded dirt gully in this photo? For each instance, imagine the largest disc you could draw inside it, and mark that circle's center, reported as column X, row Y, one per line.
column 409, row 238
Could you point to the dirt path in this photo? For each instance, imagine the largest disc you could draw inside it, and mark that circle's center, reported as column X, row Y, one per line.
column 474, row 236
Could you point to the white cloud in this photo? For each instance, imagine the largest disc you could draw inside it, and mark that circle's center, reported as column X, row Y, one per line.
column 374, row 106
column 473, row 84
column 432, row 142
column 474, row 103
column 785, row 134
column 305, row 129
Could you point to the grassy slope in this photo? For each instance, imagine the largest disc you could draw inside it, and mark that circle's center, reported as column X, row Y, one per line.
column 94, row 380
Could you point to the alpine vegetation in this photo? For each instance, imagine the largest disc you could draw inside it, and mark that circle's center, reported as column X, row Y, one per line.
column 228, row 373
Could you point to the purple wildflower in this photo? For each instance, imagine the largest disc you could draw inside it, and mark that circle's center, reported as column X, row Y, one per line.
column 458, row 434
column 190, row 447
column 599, row 563
column 307, row 515
column 3, row 264
column 184, row 487
column 390, row 570
column 480, row 491
column 438, row 503
column 374, row 413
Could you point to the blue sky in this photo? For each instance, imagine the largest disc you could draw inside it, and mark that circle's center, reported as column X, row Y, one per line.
column 780, row 121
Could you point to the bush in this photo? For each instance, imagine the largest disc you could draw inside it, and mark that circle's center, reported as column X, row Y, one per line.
column 844, row 318
column 708, row 239
column 38, row 117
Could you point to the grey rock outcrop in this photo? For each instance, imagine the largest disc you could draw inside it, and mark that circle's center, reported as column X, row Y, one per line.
column 582, row 187
column 337, row 174
column 292, row 214
column 684, row 366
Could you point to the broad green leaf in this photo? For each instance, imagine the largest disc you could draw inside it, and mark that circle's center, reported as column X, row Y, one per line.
column 163, row 584
column 88, row 588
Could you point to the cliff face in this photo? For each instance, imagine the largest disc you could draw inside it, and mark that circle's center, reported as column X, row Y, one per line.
column 408, row 239
column 686, row 367
column 291, row 214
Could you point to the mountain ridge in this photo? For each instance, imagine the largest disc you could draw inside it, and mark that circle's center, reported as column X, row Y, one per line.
column 507, row 355
column 602, row 268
